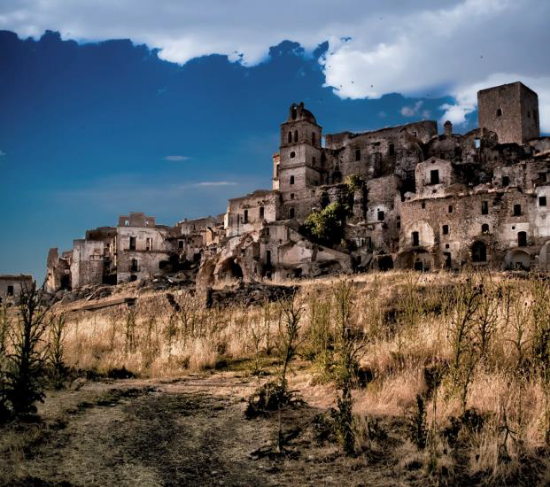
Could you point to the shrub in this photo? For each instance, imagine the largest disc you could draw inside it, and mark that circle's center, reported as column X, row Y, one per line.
column 326, row 226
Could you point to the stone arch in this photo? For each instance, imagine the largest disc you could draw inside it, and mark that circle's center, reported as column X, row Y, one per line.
column 229, row 269
column 417, row 259
column 517, row 260
column 385, row 263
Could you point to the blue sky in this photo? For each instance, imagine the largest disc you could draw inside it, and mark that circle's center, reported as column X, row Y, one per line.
column 183, row 116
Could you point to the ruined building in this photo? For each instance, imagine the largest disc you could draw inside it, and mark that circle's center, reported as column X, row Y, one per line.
column 400, row 197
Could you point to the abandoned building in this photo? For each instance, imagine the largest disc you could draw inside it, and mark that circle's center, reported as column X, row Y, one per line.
column 11, row 287
column 406, row 197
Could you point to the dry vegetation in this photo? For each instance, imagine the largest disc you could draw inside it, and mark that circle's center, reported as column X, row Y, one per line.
column 437, row 377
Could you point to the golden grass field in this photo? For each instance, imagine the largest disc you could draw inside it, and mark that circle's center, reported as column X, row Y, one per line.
column 452, row 383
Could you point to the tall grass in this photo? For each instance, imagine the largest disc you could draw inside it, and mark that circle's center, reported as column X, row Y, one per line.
column 469, row 355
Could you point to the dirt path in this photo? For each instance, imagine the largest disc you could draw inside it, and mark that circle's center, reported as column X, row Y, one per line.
column 186, row 432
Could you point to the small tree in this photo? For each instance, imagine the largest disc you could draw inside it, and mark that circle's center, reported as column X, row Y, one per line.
column 288, row 335
column 350, row 346
column 56, row 350
column 26, row 364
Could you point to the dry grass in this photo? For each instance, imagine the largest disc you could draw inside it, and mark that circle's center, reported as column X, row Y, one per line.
column 463, row 343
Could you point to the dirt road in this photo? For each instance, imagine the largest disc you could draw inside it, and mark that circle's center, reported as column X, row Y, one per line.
column 187, row 432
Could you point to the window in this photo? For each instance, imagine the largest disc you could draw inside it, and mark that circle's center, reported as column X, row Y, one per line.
column 479, row 252
column 292, row 155
column 398, row 222
column 434, row 176
column 268, row 257
column 415, row 239
column 485, row 228
column 291, row 213
column 542, row 200
column 291, row 196
column 245, row 217
column 313, row 138
column 423, row 205
column 484, row 207
column 180, row 244
column 148, row 243
column 261, row 212
column 126, row 223
column 391, row 150
column 380, row 216
column 290, row 137
column 445, row 229
column 505, row 181
column 477, row 143
column 10, row 291
column 132, row 243
column 522, row 239
column 295, row 136
column 517, row 210
column 499, row 112
column 357, row 155
column 450, row 208
column 542, row 176
column 134, row 266
column 415, row 134
column 291, row 179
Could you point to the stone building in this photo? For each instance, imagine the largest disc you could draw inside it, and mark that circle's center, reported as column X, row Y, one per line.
column 11, row 287
column 408, row 197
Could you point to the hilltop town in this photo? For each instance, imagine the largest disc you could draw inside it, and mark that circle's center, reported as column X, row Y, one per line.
column 402, row 197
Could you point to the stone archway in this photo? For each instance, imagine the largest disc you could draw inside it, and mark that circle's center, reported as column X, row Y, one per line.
column 517, row 260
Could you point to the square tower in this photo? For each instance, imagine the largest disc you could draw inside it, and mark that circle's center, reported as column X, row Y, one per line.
column 511, row 111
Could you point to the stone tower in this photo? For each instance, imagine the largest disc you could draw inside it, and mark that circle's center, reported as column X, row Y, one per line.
column 511, row 111
column 300, row 151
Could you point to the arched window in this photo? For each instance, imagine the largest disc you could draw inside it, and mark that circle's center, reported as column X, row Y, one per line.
column 291, row 213
column 313, row 138
column 415, row 239
column 499, row 112
column 292, row 155
column 291, row 179
column 134, row 266
column 357, row 155
column 290, row 137
column 485, row 228
column 479, row 252
column 295, row 136
column 522, row 239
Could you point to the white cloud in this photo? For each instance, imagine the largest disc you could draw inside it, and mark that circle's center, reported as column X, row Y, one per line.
column 376, row 47
column 176, row 158
column 411, row 111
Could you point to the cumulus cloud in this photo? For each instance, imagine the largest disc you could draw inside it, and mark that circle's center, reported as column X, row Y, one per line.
column 176, row 158
column 376, row 47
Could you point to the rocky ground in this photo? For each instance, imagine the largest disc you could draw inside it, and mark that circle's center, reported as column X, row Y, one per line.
column 188, row 431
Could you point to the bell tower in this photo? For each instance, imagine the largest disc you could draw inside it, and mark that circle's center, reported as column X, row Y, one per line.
column 300, row 151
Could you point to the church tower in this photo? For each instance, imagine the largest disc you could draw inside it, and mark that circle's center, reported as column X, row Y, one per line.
column 299, row 166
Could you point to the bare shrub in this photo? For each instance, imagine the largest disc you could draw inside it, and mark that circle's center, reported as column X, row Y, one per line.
column 26, row 361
